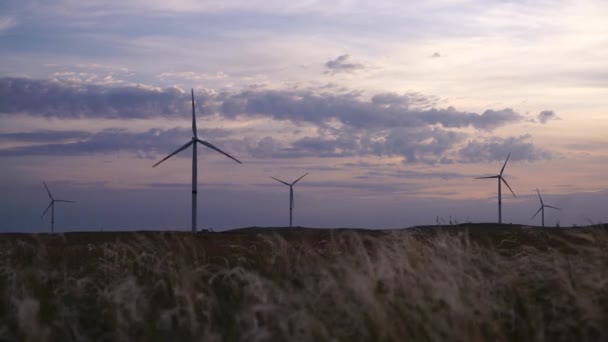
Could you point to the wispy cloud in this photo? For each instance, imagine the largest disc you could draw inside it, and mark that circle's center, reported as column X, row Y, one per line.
column 7, row 23
column 191, row 76
column 547, row 115
column 342, row 64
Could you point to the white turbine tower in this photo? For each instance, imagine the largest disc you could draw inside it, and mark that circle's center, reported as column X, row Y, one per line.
column 193, row 142
column 52, row 207
column 291, row 200
column 542, row 208
column 500, row 178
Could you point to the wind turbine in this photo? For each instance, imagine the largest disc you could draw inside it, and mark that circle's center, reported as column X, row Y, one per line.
column 193, row 142
column 542, row 208
column 500, row 178
column 291, row 200
column 52, row 207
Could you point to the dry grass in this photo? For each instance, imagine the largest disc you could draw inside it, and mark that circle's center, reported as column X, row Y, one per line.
column 461, row 284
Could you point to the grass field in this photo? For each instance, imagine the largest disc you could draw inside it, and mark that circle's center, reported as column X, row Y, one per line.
column 458, row 283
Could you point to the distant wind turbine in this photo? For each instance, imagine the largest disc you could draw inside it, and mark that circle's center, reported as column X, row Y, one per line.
column 542, row 208
column 193, row 142
column 52, row 207
column 500, row 178
column 291, row 200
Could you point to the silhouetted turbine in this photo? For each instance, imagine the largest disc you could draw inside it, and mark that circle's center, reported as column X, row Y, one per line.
column 193, row 142
column 291, row 200
column 500, row 178
column 52, row 206
column 542, row 208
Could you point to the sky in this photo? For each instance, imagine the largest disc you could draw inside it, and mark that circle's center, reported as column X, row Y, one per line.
column 394, row 107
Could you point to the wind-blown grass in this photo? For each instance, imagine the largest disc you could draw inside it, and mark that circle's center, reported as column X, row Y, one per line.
column 460, row 284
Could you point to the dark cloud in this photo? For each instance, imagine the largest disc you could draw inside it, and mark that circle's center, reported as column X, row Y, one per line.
column 71, row 100
column 496, row 149
column 424, row 145
column 547, row 115
column 44, row 136
column 145, row 144
column 414, row 145
column 348, row 124
column 51, row 98
column 342, row 64
column 427, row 145
column 410, row 174
column 358, row 185
column 382, row 111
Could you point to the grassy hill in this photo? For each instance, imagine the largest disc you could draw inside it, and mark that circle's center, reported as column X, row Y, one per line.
column 465, row 282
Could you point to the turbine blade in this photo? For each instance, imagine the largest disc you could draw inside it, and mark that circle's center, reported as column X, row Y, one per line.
column 293, row 203
column 65, row 201
column 218, row 150
column 539, row 209
column 505, row 164
column 47, row 190
column 278, row 180
column 552, row 207
column 174, row 153
column 539, row 197
column 47, row 209
column 487, row 177
column 297, row 180
column 193, row 116
column 507, row 184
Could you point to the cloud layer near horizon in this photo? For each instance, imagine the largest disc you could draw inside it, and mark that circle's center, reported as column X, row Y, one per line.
column 342, row 124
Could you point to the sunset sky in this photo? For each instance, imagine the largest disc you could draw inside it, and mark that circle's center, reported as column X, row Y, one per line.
column 392, row 106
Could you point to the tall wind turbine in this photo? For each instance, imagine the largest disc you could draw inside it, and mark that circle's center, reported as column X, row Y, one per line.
column 193, row 142
column 52, row 207
column 500, row 178
column 542, row 207
column 291, row 200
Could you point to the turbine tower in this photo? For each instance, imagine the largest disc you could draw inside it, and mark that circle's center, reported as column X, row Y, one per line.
column 193, row 141
column 52, row 207
column 291, row 200
column 500, row 178
column 542, row 208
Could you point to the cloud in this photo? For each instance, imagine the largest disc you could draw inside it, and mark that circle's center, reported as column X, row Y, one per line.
column 415, row 145
column 346, row 124
column 409, row 174
column 382, row 111
column 192, row 76
column 64, row 99
column 7, row 23
column 547, row 115
column 496, row 149
column 342, row 64
column 44, row 136
column 408, row 100
column 436, row 55
column 147, row 144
